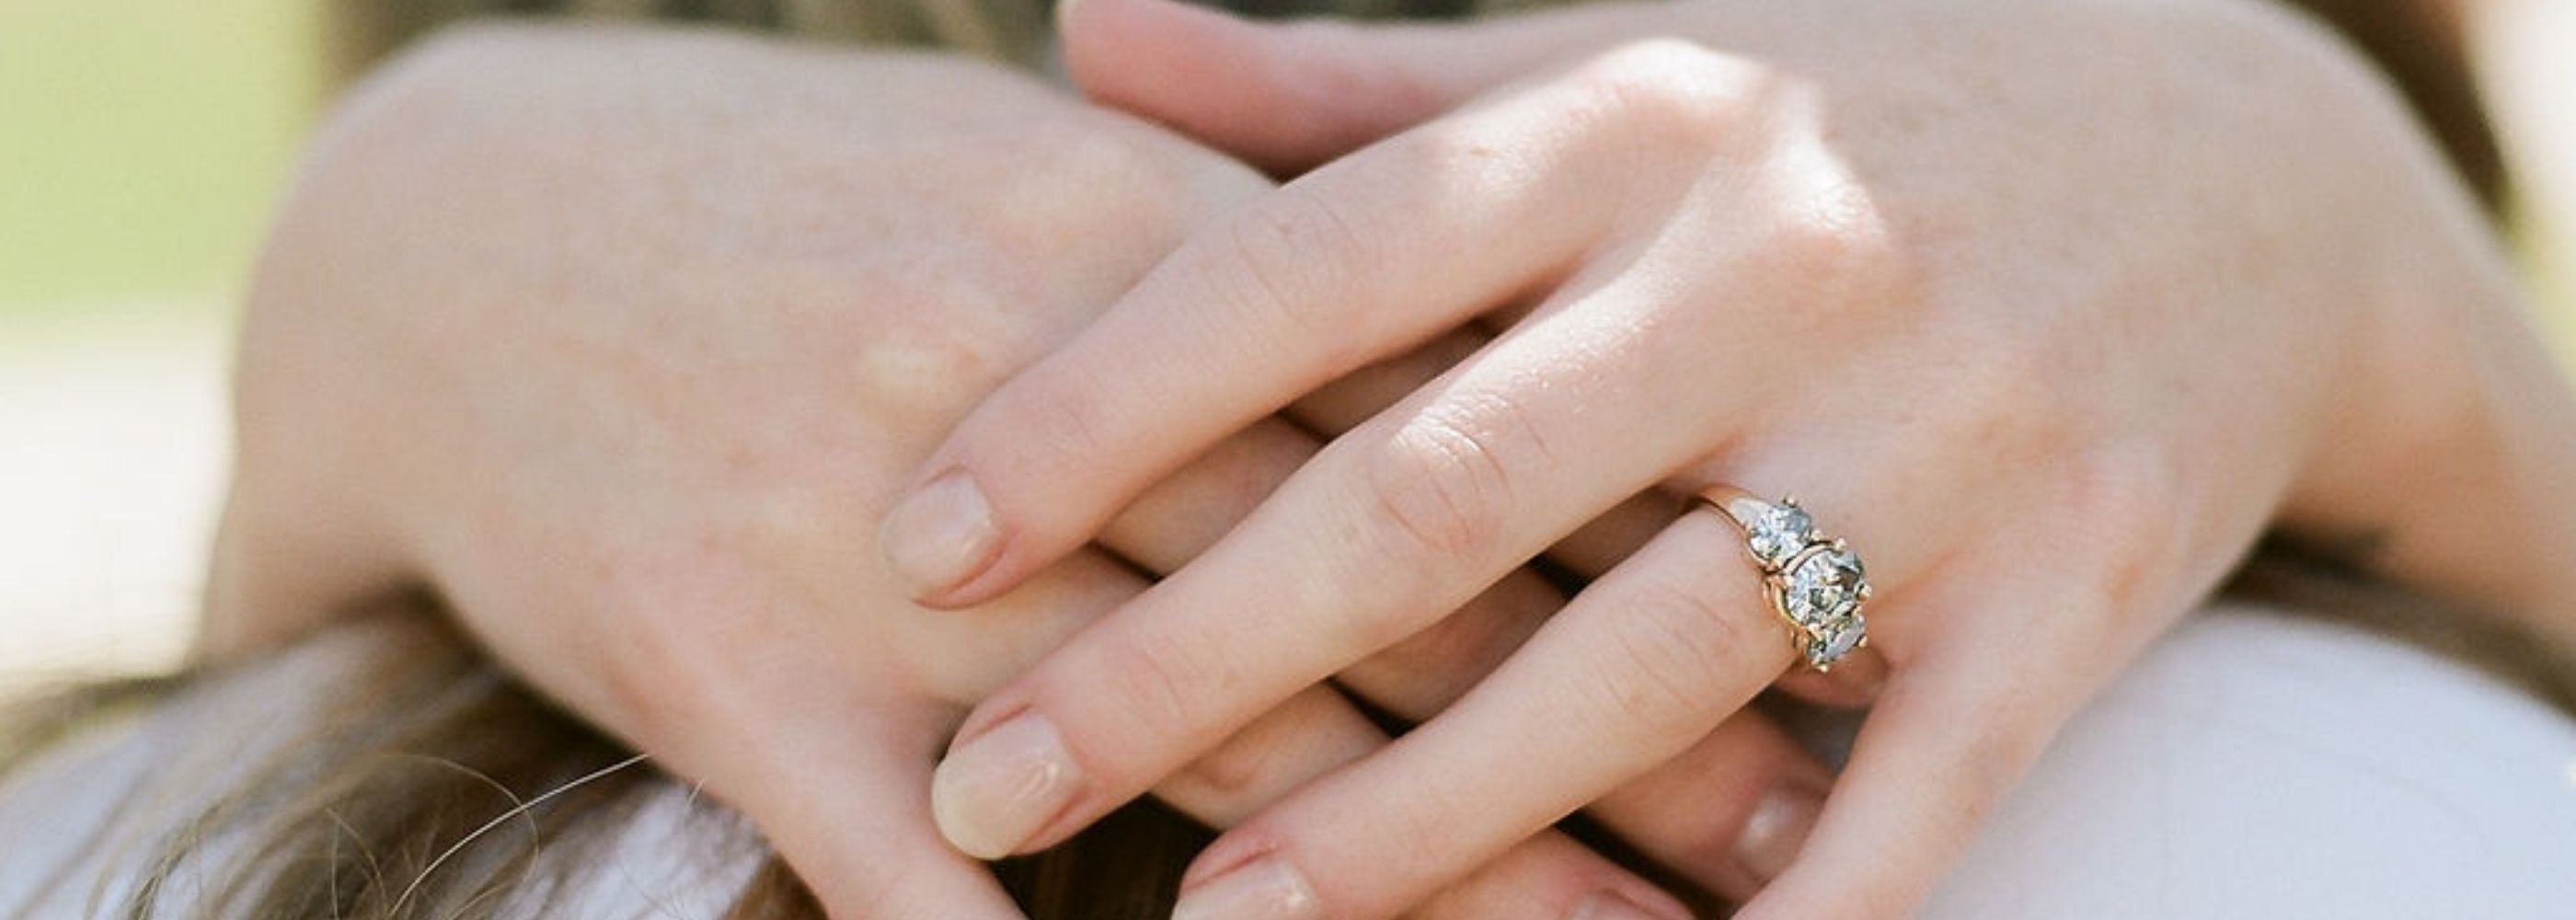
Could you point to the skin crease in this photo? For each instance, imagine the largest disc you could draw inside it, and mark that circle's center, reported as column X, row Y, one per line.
column 501, row 348
column 2091, row 357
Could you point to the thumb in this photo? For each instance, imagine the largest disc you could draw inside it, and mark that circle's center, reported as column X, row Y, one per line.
column 1288, row 96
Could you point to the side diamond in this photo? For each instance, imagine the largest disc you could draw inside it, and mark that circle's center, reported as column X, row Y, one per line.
column 1834, row 640
column 1779, row 533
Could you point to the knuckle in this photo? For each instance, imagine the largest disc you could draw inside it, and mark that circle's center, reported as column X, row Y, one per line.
column 1667, row 95
column 2000, row 398
column 1670, row 79
column 1040, row 427
column 2125, row 499
column 1060, row 415
column 1279, row 260
column 930, row 364
column 1442, row 484
column 1829, row 239
column 1160, row 682
column 1832, row 232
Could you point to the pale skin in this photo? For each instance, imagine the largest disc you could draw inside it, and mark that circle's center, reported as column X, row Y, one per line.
column 502, row 347
column 663, row 511
column 2052, row 372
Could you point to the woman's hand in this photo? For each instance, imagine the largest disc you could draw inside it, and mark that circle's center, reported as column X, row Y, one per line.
column 616, row 340
column 2049, row 308
column 621, row 343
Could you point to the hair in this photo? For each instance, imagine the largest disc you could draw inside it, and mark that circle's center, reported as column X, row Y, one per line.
column 409, row 776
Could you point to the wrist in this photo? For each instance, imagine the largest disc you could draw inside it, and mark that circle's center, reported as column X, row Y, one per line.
column 2450, row 462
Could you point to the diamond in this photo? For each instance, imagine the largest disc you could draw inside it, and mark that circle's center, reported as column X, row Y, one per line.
column 1779, row 533
column 1834, row 640
column 1823, row 586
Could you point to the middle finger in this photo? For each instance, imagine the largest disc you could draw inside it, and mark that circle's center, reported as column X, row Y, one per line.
column 1639, row 666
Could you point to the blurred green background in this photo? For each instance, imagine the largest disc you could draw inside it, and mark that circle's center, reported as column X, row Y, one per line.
column 141, row 142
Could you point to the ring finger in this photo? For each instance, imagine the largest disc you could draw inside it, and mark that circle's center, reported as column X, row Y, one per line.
column 1638, row 667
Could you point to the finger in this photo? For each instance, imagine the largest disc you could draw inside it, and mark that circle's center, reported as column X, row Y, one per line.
column 834, row 777
column 1953, row 733
column 1355, row 397
column 1312, row 734
column 1346, row 265
column 1345, row 403
column 1289, row 96
column 1730, row 813
column 1423, row 506
column 1547, row 877
column 1637, row 669
column 1318, row 731
column 1184, row 515
column 1726, row 814
column 882, row 860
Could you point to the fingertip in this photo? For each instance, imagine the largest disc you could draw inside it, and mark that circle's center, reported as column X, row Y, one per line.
column 1115, row 48
column 861, row 841
column 1269, row 887
column 940, row 535
column 1273, row 94
column 997, row 790
column 1777, row 829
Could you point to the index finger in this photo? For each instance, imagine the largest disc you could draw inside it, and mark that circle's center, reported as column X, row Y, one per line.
column 1348, row 264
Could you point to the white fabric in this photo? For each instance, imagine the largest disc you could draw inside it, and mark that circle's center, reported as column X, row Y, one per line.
column 2264, row 766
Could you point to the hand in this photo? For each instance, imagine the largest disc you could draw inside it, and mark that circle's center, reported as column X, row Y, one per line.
column 2050, row 381
column 620, row 342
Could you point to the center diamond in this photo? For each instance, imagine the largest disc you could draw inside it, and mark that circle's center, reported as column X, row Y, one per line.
column 1824, row 585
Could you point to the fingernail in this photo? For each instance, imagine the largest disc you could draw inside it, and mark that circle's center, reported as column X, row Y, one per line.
column 1264, row 889
column 1610, row 905
column 940, row 535
column 990, row 796
column 1777, row 828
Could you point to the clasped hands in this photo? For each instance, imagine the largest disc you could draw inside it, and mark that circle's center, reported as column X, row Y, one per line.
column 1533, row 282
